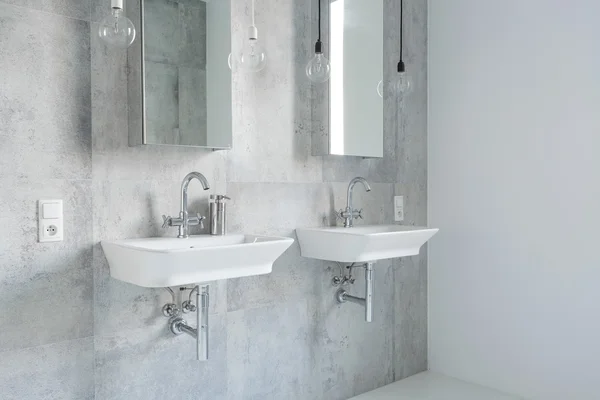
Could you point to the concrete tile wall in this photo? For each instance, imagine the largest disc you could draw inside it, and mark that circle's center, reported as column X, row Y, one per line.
column 69, row 331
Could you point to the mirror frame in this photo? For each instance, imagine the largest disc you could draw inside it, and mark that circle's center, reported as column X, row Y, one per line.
column 136, row 83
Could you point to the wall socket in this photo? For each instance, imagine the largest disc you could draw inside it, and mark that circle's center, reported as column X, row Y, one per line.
column 398, row 208
column 50, row 215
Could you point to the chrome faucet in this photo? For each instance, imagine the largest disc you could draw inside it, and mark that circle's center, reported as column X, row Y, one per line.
column 185, row 221
column 350, row 214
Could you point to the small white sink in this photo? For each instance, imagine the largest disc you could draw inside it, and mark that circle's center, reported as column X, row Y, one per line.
column 362, row 243
column 164, row 262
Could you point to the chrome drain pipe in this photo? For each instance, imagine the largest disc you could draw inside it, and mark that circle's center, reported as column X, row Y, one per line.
column 342, row 296
column 202, row 314
column 178, row 325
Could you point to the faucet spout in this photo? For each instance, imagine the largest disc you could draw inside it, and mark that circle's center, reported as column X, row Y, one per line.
column 186, row 182
column 183, row 215
column 349, row 213
column 353, row 182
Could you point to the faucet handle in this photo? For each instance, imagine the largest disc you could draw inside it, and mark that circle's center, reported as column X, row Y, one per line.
column 197, row 220
column 360, row 214
column 201, row 219
column 166, row 221
column 340, row 214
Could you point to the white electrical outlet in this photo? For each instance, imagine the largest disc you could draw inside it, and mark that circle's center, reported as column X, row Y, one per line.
column 398, row 208
column 50, row 217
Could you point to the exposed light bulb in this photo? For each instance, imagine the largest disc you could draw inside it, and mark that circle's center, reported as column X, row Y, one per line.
column 404, row 85
column 252, row 58
column 116, row 29
column 318, row 68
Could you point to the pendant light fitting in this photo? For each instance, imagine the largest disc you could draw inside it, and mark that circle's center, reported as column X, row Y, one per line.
column 318, row 69
column 116, row 29
column 319, row 44
column 252, row 30
column 401, row 66
column 253, row 57
column 403, row 84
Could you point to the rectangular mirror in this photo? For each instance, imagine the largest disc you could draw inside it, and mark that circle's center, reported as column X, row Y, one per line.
column 354, row 124
column 179, row 82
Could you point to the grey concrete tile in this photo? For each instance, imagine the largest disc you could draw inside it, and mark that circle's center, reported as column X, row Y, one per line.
column 412, row 141
column 293, row 277
column 109, row 95
column 62, row 370
column 410, row 345
column 45, row 95
column 21, row 201
column 79, row 9
column 125, row 209
column 160, row 163
column 412, row 112
column 100, row 9
column 284, row 30
column 355, row 356
column 46, row 287
column 276, row 209
column 271, row 115
column 270, row 353
column 148, row 364
column 47, row 299
column 280, row 134
column 415, row 203
column 47, row 293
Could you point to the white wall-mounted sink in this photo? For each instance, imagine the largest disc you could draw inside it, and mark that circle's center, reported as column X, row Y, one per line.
column 362, row 243
column 164, row 262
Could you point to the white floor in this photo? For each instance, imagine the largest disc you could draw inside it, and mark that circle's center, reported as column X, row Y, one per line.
column 433, row 386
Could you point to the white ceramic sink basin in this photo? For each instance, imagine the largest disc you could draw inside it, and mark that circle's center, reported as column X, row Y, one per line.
column 164, row 262
column 362, row 243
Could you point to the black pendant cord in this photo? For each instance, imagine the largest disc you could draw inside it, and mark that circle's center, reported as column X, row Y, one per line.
column 319, row 45
column 401, row 66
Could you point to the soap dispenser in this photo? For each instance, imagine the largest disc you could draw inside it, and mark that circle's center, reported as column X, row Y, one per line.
column 218, row 214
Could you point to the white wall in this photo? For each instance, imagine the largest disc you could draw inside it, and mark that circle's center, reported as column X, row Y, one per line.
column 514, row 185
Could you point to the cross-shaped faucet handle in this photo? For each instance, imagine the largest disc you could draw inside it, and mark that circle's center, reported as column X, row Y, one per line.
column 201, row 219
